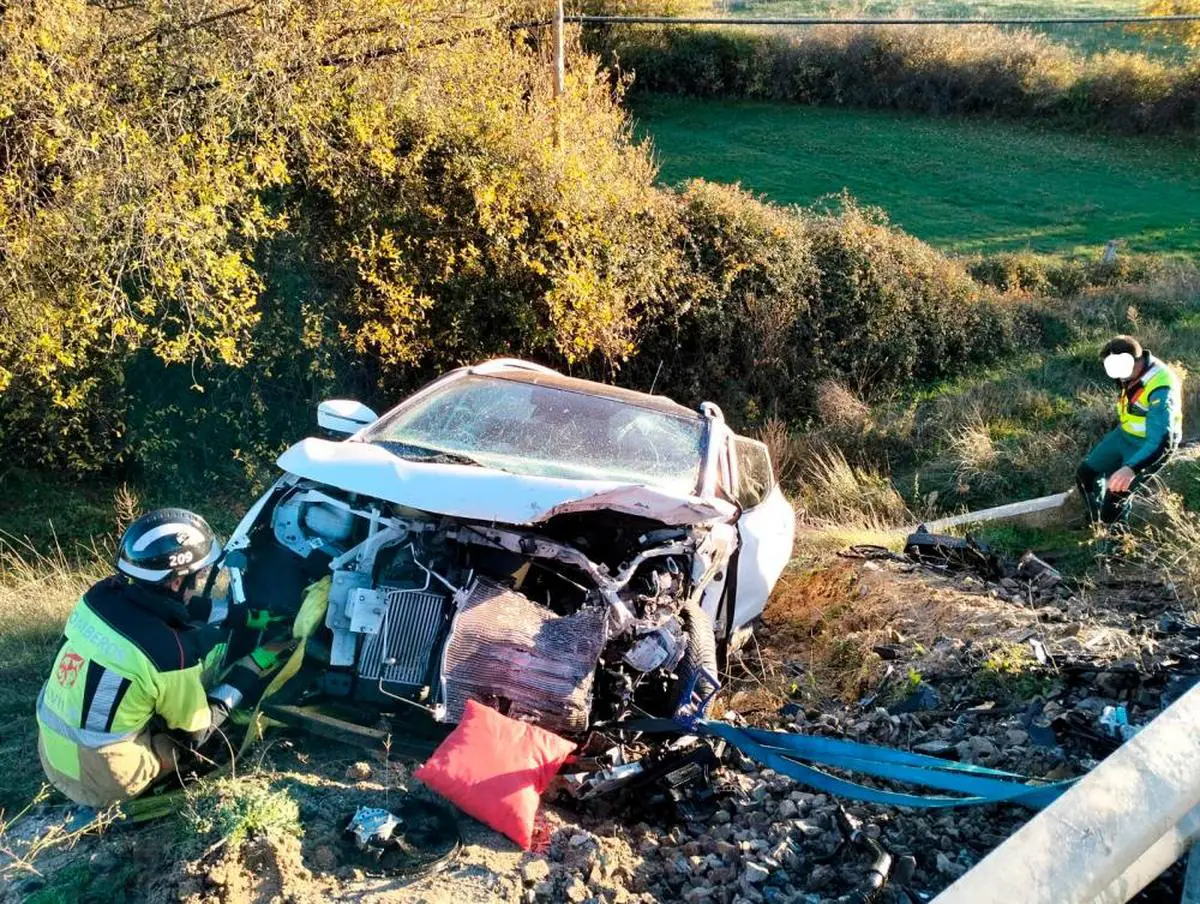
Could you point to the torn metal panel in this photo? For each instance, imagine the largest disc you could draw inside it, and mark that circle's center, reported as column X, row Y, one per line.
column 647, row 502
column 503, row 647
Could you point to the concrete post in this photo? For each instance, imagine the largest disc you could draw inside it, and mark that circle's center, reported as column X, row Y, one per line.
column 1073, row 850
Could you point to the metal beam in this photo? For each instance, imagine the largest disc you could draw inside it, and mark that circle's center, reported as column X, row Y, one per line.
column 1152, row 864
column 1072, row 851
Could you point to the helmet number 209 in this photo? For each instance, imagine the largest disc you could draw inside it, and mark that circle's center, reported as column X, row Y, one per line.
column 176, row 559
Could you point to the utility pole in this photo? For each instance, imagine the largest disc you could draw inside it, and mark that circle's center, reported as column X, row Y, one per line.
column 560, row 68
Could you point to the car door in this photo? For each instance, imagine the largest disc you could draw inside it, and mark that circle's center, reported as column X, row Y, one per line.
column 766, row 527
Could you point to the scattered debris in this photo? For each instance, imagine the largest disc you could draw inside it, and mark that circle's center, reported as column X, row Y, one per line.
column 415, row 838
column 952, row 553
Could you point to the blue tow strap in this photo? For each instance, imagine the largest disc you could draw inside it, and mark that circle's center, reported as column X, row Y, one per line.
column 783, row 751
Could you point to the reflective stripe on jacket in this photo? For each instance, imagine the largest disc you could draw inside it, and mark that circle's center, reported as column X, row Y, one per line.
column 127, row 655
column 1134, row 402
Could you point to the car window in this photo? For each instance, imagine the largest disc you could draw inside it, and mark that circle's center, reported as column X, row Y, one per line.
column 528, row 428
column 755, row 478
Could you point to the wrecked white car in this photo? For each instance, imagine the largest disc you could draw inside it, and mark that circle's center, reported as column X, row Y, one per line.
column 566, row 551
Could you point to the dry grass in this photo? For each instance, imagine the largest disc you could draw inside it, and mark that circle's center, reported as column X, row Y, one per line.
column 832, row 491
column 1171, row 543
column 37, row 591
column 840, row 408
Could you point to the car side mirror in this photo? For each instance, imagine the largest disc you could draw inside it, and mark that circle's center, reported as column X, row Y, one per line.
column 344, row 416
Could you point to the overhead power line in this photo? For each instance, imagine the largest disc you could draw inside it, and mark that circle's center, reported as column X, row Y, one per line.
column 812, row 20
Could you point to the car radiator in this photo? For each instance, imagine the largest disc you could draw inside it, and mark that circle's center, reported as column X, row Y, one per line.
column 399, row 653
column 507, row 651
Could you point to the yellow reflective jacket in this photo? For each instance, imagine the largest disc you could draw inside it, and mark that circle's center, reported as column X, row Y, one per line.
column 127, row 655
column 1133, row 406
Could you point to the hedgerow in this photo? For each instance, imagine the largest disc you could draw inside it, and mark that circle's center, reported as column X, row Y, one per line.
column 947, row 70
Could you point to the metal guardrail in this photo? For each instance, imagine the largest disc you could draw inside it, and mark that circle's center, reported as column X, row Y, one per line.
column 1111, row 834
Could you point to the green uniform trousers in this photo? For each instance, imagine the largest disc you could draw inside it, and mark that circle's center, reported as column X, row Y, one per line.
column 1109, row 456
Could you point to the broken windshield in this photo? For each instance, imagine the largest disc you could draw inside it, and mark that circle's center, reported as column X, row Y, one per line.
column 526, row 428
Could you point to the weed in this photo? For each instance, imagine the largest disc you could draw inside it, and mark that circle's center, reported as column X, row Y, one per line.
column 80, row 883
column 1010, row 674
column 227, row 811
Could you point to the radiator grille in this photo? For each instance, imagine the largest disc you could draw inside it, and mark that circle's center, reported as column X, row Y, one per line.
column 504, row 647
column 400, row 652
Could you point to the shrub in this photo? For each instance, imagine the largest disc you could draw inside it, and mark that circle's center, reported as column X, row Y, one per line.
column 777, row 300
column 235, row 809
column 193, row 258
column 937, row 70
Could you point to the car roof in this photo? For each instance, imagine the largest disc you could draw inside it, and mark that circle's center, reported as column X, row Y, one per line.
column 589, row 387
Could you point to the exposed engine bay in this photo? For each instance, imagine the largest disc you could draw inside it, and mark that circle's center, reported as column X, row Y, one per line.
column 589, row 616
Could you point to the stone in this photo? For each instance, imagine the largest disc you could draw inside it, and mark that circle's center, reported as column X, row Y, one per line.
column 788, row 809
column 936, row 747
column 359, row 772
column 978, row 750
column 755, row 873
column 576, row 892
column 535, row 870
column 721, row 817
column 809, row 828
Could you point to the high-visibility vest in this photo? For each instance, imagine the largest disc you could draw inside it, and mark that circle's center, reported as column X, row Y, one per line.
column 116, row 668
column 1134, row 404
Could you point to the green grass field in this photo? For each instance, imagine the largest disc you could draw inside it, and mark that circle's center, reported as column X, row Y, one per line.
column 1089, row 38
column 965, row 186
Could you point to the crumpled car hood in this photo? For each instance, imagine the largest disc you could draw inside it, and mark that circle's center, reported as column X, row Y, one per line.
column 484, row 494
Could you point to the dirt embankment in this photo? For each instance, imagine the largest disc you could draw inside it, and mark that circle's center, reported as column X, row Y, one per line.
column 878, row 651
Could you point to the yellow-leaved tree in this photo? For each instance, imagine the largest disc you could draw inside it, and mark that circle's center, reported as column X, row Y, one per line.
column 1185, row 32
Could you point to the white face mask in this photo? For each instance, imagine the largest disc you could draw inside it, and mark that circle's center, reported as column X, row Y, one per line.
column 1119, row 367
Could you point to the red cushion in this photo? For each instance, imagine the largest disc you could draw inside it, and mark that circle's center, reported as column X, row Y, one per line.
column 495, row 769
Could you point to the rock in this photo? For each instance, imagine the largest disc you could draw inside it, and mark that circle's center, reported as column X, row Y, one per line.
column 822, row 875
column 1014, row 737
column 535, row 870
column 576, row 892
column 935, row 748
column 699, row 893
column 922, row 699
column 544, row 889
column 978, row 750
column 788, row 809
column 359, row 772
column 809, row 828
column 755, row 873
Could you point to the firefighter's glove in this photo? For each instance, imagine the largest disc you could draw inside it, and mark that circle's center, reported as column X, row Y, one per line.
column 247, row 679
column 262, row 619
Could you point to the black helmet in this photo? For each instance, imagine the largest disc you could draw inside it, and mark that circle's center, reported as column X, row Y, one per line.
column 167, row 543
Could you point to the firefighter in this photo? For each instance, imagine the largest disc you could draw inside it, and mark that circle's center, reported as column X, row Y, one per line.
column 126, row 690
column 1150, row 414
